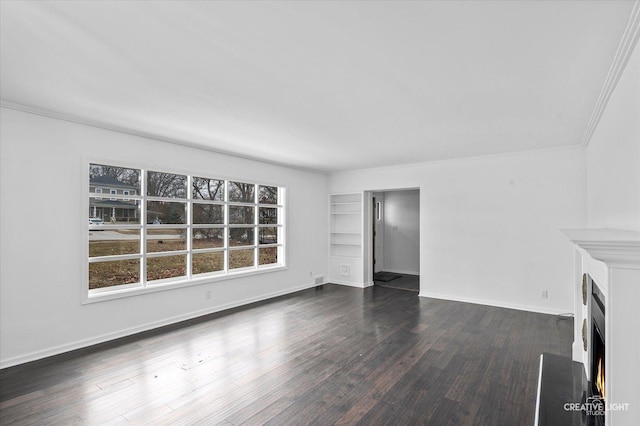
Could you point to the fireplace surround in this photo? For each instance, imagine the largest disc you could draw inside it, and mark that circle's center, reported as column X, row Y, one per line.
column 611, row 258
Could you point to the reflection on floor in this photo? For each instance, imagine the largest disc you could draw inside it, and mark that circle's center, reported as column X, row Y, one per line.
column 404, row 282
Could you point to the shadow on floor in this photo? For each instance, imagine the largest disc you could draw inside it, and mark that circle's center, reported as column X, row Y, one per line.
column 404, row 282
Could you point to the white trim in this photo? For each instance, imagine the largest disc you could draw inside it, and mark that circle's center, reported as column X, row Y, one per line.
column 91, row 295
column 623, row 53
column 153, row 136
column 615, row 247
column 537, row 418
column 518, row 307
column 119, row 292
column 56, row 350
column 350, row 284
column 457, row 160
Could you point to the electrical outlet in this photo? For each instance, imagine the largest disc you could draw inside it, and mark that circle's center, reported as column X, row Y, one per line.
column 345, row 270
column 207, row 294
column 544, row 294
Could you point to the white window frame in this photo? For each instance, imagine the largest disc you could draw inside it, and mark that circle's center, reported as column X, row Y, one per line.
column 144, row 286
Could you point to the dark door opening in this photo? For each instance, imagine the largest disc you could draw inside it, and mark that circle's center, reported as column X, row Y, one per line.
column 395, row 239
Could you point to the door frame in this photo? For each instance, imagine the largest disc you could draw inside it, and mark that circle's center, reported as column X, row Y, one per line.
column 368, row 249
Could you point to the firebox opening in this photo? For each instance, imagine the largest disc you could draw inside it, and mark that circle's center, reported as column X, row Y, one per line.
column 598, row 363
column 597, row 359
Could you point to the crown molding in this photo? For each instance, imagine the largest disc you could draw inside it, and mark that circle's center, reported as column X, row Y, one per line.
column 100, row 125
column 623, row 53
column 153, row 136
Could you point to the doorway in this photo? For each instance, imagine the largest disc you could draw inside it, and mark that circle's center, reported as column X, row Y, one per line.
column 395, row 239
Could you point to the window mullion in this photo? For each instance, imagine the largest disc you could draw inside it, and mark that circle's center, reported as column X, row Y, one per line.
column 226, row 227
column 189, row 230
column 143, row 237
column 256, row 221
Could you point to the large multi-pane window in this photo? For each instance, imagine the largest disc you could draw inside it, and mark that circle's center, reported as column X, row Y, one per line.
column 158, row 227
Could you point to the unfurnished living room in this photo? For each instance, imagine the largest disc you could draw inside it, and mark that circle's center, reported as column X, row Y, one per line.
column 320, row 212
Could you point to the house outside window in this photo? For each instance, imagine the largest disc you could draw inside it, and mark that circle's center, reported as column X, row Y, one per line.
column 164, row 229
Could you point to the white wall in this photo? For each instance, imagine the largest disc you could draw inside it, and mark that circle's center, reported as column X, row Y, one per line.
column 613, row 156
column 42, row 228
column 489, row 225
column 402, row 232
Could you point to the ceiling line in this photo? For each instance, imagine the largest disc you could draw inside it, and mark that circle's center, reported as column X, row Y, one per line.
column 152, row 136
column 623, row 53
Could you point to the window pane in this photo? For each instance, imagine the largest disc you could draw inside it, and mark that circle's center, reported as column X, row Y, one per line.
column 268, row 215
column 165, row 212
column 114, row 242
column 241, row 215
column 109, row 274
column 103, row 178
column 268, row 235
column 242, row 192
column 166, row 240
column 208, row 189
column 208, row 214
column 166, row 267
column 106, row 211
column 240, row 258
column 268, row 195
column 203, row 263
column 268, row 255
column 241, row 236
column 207, row 238
column 166, row 185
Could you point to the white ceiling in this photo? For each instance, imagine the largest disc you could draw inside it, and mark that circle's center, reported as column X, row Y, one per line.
column 326, row 86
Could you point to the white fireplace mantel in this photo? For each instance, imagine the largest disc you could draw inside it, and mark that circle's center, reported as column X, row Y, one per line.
column 612, row 258
column 615, row 247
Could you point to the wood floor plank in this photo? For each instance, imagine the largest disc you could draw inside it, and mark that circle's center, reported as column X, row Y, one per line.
column 331, row 355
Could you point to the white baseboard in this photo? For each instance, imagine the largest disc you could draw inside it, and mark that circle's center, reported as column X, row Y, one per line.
column 56, row 350
column 528, row 308
column 350, row 284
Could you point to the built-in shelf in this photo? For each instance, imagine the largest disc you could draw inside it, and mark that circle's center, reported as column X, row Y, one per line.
column 346, row 238
column 345, row 243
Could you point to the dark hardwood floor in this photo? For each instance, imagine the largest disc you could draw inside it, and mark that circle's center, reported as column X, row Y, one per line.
column 405, row 282
column 332, row 355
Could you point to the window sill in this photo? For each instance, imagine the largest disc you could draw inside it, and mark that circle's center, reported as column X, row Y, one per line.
column 106, row 295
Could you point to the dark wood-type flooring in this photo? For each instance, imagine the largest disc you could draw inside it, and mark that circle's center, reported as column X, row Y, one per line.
column 331, row 355
column 405, row 282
